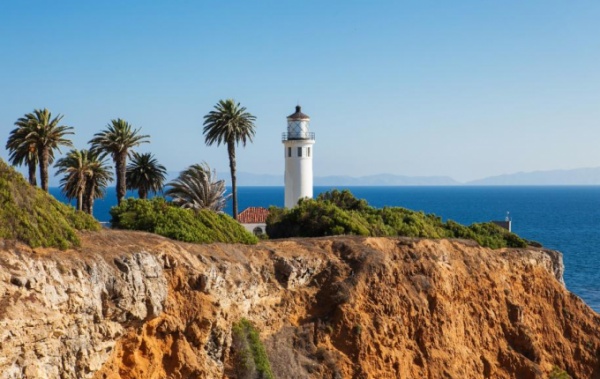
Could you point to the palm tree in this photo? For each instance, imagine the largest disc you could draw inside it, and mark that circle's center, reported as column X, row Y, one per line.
column 44, row 134
column 229, row 124
column 117, row 140
column 97, row 181
column 76, row 169
column 23, row 152
column 86, row 177
column 198, row 188
column 145, row 174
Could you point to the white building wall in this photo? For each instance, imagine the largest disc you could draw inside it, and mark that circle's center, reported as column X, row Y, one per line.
column 251, row 227
column 298, row 171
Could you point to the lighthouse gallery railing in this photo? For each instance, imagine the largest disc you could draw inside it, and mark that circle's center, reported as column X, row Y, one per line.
column 298, row 136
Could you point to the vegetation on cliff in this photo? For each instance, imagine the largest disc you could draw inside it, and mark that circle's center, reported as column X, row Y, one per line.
column 249, row 355
column 339, row 212
column 160, row 217
column 32, row 216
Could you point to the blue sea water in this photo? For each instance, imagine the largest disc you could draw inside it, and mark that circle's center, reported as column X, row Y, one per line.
column 561, row 218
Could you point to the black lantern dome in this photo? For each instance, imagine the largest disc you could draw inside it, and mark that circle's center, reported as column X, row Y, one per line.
column 298, row 115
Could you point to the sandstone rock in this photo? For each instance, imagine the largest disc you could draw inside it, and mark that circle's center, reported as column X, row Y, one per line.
column 135, row 305
column 67, row 325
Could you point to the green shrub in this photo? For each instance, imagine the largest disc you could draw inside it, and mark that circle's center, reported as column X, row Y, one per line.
column 557, row 373
column 249, row 356
column 158, row 216
column 337, row 213
column 34, row 217
column 343, row 199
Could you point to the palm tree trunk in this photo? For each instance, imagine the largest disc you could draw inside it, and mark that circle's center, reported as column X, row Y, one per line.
column 121, row 168
column 44, row 158
column 90, row 206
column 86, row 202
column 142, row 193
column 231, row 151
column 88, row 199
column 81, row 193
column 32, row 168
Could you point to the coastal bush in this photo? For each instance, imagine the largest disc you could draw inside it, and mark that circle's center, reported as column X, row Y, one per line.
column 339, row 212
column 34, row 217
column 343, row 199
column 199, row 226
column 250, row 359
column 557, row 373
column 311, row 218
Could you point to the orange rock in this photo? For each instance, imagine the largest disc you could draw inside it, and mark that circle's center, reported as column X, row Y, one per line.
column 341, row 307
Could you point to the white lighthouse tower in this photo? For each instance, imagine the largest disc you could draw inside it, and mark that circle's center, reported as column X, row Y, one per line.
column 298, row 142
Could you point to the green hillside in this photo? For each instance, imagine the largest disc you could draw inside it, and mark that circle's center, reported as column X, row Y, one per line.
column 36, row 218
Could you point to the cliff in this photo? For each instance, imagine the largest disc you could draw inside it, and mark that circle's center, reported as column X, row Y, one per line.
column 136, row 305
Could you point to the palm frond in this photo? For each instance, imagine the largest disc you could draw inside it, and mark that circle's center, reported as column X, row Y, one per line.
column 36, row 138
column 117, row 140
column 228, row 122
column 145, row 174
column 197, row 188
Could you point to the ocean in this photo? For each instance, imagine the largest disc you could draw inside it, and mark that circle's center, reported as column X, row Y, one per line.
column 566, row 219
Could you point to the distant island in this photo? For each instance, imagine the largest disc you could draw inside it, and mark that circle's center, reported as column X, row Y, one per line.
column 579, row 176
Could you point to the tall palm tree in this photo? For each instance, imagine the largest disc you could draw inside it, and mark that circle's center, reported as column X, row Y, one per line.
column 85, row 177
column 23, row 152
column 229, row 124
column 117, row 140
column 197, row 188
column 145, row 174
column 99, row 175
column 76, row 169
column 46, row 135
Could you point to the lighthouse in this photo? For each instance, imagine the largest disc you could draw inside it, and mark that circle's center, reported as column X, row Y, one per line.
column 298, row 143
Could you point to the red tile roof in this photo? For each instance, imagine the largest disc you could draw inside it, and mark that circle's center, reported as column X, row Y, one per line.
column 253, row 215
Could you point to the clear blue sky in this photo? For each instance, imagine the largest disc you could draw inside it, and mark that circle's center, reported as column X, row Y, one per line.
column 460, row 88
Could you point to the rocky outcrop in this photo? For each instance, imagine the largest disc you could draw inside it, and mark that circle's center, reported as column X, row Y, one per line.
column 61, row 314
column 135, row 305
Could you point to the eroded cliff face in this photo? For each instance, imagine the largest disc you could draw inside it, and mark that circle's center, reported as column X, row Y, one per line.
column 136, row 305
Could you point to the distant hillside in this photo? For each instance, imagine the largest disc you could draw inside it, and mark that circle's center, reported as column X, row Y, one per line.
column 580, row 176
column 249, row 179
column 385, row 180
column 243, row 178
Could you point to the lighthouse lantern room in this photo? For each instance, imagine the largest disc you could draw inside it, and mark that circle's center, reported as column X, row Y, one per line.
column 298, row 143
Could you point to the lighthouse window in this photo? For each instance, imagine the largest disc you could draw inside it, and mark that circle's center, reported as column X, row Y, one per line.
column 289, row 152
column 308, row 151
column 299, row 151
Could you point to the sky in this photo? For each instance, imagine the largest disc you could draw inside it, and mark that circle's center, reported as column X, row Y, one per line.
column 465, row 89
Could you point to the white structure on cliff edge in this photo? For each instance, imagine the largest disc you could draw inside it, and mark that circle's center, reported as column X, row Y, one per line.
column 298, row 142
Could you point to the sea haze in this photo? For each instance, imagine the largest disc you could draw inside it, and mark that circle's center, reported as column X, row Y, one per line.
column 573, row 177
column 562, row 218
column 261, row 180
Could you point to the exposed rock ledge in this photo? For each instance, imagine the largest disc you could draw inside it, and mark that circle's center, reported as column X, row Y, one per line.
column 135, row 305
